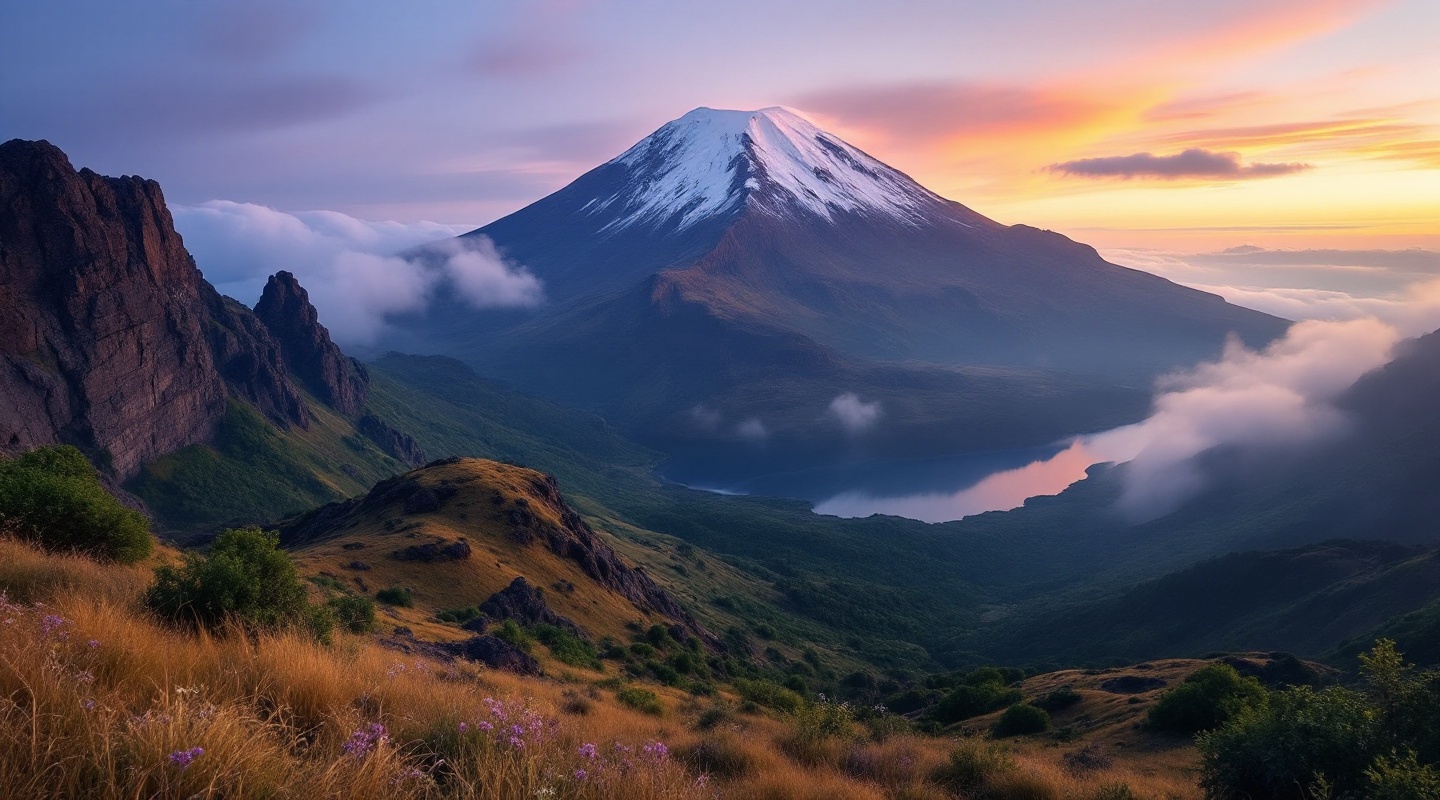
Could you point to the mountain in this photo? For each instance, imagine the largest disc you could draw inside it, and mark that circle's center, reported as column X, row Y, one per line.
column 112, row 340
column 743, row 267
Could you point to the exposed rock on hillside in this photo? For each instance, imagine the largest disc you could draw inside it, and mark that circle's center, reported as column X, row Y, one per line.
column 526, row 605
column 399, row 446
column 102, row 316
column 340, row 382
column 250, row 361
column 507, row 514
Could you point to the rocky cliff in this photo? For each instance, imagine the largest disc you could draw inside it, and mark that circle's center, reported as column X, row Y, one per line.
column 112, row 340
column 101, row 315
column 340, row 382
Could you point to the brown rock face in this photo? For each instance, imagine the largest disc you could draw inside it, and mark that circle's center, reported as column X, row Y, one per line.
column 101, row 315
column 110, row 338
column 340, row 382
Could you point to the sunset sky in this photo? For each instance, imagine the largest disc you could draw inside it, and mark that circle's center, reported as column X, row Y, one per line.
column 1279, row 123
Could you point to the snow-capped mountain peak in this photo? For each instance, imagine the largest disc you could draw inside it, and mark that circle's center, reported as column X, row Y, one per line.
column 712, row 161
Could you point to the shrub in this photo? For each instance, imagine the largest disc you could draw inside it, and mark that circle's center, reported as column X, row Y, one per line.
column 516, row 635
column 396, row 596
column 245, row 577
column 356, row 614
column 1209, row 698
column 567, row 647
column 971, row 769
column 766, row 693
column 966, row 701
column 53, row 497
column 1354, row 742
column 1020, row 719
column 642, row 700
column 1058, row 700
column 459, row 616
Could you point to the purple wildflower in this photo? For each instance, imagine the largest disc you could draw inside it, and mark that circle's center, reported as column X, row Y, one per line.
column 182, row 758
column 581, row 775
column 365, row 740
column 49, row 623
column 587, row 751
column 93, row 643
column 656, row 750
column 485, row 726
column 464, row 727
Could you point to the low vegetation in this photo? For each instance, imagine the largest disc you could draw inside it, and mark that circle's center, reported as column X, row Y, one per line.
column 100, row 697
column 53, row 497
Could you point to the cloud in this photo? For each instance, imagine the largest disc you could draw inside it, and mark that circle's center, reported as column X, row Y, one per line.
column 1249, row 401
column 753, row 430
column 1192, row 163
column 855, row 415
column 705, row 417
column 349, row 266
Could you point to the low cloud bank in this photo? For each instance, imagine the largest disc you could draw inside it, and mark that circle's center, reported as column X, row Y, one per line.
column 348, row 265
column 854, row 415
column 1192, row 163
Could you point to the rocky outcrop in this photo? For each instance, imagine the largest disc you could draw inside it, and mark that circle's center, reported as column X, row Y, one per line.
column 438, row 550
column 112, row 340
column 340, row 382
column 250, row 361
column 421, row 491
column 102, row 316
column 399, row 446
column 577, row 541
column 495, row 653
column 526, row 605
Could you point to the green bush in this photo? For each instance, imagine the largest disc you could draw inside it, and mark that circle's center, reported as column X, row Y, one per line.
column 244, row 578
column 642, row 700
column 458, row 616
column 768, row 694
column 53, row 497
column 1058, row 700
column 1021, row 719
column 516, row 635
column 1377, row 740
column 357, row 614
column 567, row 647
column 966, row 701
column 396, row 596
column 1209, row 698
column 972, row 768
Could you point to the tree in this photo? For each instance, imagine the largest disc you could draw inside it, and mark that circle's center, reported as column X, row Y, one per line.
column 53, row 497
column 1210, row 697
column 245, row 578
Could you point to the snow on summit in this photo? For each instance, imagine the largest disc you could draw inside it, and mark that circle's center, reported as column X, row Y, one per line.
column 711, row 161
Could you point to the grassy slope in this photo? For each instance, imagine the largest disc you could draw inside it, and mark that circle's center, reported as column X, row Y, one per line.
column 274, row 712
column 255, row 473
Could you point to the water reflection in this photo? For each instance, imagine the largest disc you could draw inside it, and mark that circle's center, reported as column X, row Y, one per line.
column 1000, row 491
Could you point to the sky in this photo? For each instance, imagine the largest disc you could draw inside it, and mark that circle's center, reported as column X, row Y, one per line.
column 1165, row 133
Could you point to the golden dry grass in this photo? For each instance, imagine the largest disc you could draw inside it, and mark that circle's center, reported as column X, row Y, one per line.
column 477, row 513
column 97, row 700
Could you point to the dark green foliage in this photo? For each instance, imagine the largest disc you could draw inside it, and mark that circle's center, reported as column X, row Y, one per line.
column 396, row 596
column 1209, row 698
column 250, row 471
column 1021, row 719
column 567, row 647
column 356, row 614
column 52, row 496
column 459, row 616
column 244, row 578
column 1058, row 700
column 516, row 635
column 642, row 700
column 969, row 699
column 1378, row 740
